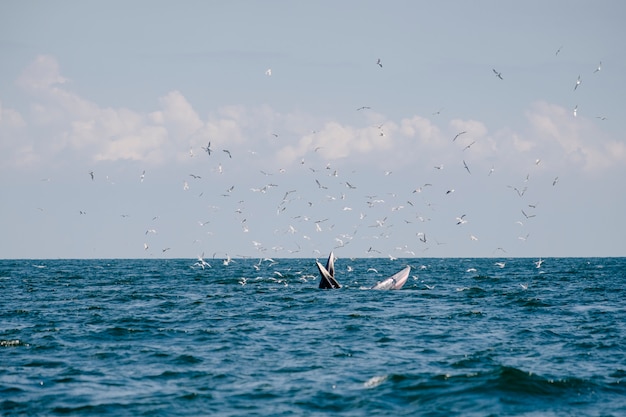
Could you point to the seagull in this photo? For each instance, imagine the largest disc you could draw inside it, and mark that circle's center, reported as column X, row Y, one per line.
column 363, row 108
column 201, row 262
column 461, row 220
column 555, row 181
column 575, row 110
column 498, row 74
column 143, row 174
column 459, row 134
column 501, row 264
column 208, row 148
column 539, row 263
column 91, row 173
column 528, row 216
column 379, row 63
column 268, row 72
column 599, row 67
column 228, row 152
column 578, row 81
column 468, row 146
column 466, row 167
column 558, row 50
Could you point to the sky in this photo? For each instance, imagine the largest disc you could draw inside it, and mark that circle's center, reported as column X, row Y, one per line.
column 368, row 128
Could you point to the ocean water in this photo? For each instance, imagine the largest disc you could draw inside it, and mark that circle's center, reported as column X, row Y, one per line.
column 257, row 337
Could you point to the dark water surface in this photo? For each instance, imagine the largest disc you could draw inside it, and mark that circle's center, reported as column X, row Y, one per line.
column 162, row 337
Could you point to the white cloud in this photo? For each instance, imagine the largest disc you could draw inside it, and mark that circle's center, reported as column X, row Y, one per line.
column 60, row 121
column 578, row 139
column 10, row 119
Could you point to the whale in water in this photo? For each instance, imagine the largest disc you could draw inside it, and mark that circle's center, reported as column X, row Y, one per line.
column 328, row 281
column 327, row 274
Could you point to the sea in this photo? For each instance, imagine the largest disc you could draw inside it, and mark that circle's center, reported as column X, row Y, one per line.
column 256, row 337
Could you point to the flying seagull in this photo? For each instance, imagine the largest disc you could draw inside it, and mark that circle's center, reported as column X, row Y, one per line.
column 599, row 67
column 459, row 134
column 578, row 81
column 466, row 167
column 498, row 74
column 380, row 64
column 208, row 148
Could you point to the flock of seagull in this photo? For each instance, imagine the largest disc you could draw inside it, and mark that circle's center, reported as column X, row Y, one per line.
column 376, row 214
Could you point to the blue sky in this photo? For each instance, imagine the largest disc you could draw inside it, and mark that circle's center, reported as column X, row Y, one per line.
column 328, row 150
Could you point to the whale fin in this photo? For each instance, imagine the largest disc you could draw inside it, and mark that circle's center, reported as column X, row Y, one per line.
column 394, row 282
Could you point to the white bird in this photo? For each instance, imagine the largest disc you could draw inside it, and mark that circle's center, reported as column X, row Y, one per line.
column 599, row 67
column 268, row 72
column 575, row 110
column 500, row 264
column 578, row 81
column 380, row 64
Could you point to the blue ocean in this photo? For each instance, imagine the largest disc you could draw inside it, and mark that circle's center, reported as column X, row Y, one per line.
column 466, row 337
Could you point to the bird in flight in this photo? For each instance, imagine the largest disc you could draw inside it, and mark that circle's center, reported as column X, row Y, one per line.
column 466, row 167
column 91, row 174
column 208, row 148
column 498, row 74
column 228, row 152
column 599, row 67
column 459, row 134
column 380, row 64
column 469, row 146
column 578, row 81
column 558, row 50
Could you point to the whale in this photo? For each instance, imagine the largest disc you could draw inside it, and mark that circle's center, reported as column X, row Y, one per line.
column 328, row 281
column 327, row 273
